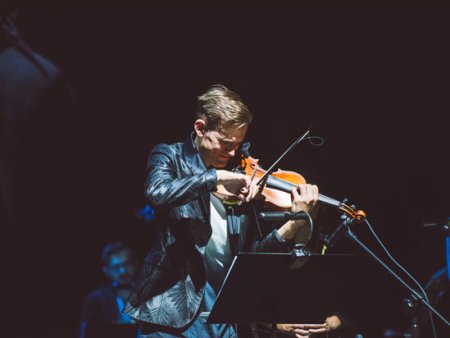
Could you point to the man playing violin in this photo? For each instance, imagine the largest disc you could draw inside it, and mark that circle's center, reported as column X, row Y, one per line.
column 197, row 234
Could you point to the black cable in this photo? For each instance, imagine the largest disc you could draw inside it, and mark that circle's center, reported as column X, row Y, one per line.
column 405, row 272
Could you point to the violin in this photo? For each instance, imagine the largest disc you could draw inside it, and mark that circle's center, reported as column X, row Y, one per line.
column 277, row 187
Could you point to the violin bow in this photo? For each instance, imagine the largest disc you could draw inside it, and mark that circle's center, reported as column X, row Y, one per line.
column 357, row 215
column 263, row 179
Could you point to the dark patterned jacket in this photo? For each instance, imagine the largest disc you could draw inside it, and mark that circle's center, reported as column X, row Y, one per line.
column 170, row 287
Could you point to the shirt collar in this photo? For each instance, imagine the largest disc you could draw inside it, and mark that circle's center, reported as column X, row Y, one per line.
column 193, row 156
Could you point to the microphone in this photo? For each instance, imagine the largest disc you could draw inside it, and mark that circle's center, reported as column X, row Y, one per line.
column 444, row 228
column 245, row 149
column 338, row 233
column 275, row 216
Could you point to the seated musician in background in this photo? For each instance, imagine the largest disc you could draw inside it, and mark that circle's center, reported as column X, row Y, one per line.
column 104, row 305
column 198, row 235
column 438, row 291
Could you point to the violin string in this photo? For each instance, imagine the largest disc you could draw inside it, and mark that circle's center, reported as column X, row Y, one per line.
column 325, row 199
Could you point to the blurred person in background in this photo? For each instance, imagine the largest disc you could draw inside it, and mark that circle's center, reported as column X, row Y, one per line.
column 104, row 305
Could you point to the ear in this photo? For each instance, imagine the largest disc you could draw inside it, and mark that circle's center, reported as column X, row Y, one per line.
column 199, row 127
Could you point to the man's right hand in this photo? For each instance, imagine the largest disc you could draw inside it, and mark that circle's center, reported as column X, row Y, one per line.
column 236, row 184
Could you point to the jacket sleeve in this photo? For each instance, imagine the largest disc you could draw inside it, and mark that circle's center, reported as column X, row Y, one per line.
column 264, row 236
column 167, row 187
column 273, row 243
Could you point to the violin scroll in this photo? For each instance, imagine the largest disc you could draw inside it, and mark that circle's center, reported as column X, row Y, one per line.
column 357, row 215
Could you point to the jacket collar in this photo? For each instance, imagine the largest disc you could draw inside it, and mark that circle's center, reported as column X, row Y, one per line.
column 192, row 155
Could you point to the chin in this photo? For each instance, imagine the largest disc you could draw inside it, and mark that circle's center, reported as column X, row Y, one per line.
column 220, row 165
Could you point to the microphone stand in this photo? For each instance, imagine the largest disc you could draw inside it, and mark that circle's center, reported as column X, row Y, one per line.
column 411, row 302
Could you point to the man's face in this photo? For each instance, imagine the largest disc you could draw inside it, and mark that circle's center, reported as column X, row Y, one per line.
column 122, row 269
column 217, row 147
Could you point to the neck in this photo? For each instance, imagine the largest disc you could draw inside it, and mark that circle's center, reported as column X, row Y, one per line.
column 121, row 286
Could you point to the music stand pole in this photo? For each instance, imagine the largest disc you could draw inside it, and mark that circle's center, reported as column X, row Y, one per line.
column 416, row 297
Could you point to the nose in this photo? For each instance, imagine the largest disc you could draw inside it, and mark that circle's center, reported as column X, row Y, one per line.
column 232, row 152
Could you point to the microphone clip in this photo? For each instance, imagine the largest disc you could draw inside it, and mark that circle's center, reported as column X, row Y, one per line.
column 341, row 230
column 299, row 256
column 300, row 251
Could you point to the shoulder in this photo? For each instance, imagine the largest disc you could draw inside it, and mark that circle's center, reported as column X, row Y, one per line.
column 164, row 150
column 438, row 280
column 53, row 71
column 12, row 55
column 103, row 292
column 167, row 148
column 34, row 70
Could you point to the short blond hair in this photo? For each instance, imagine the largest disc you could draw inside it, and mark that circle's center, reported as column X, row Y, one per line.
column 221, row 107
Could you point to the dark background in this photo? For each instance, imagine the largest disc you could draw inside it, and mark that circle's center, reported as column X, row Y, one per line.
column 372, row 80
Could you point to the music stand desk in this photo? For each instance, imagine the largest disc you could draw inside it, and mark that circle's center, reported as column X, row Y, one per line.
column 280, row 288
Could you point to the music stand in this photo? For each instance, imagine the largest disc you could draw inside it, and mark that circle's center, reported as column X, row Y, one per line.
column 280, row 288
column 110, row 330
